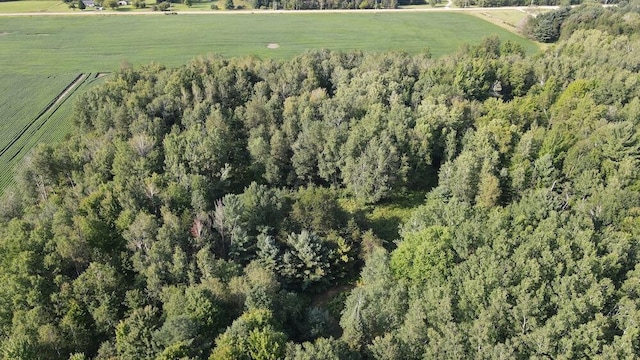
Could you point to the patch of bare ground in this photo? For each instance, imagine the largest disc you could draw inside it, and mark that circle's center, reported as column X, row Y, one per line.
column 68, row 89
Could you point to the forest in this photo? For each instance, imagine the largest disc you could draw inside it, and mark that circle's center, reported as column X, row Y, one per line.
column 216, row 210
column 392, row 4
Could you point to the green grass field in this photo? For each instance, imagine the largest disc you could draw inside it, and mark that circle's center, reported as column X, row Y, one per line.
column 33, row 114
column 33, row 6
column 57, row 6
column 48, row 45
column 508, row 19
column 40, row 56
column 23, row 98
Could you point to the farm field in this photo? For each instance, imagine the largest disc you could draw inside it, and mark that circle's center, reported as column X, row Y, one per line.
column 47, row 45
column 34, row 109
column 506, row 18
column 33, row 6
column 58, row 6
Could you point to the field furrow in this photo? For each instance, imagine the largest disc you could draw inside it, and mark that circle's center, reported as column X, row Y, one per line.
column 29, row 120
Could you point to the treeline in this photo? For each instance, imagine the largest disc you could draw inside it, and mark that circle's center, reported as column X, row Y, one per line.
column 623, row 19
column 323, row 4
column 392, row 4
column 201, row 212
column 497, row 3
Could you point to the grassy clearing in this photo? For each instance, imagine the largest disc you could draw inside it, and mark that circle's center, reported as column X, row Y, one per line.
column 385, row 218
column 46, row 45
column 509, row 19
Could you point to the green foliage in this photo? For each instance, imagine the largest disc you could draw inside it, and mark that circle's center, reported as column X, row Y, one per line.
column 562, row 23
column 307, row 261
column 316, row 209
column 547, row 26
column 371, row 174
column 194, row 316
column 202, row 211
column 134, row 335
column 254, row 335
column 423, row 255
column 375, row 307
column 321, row 348
column 618, row 20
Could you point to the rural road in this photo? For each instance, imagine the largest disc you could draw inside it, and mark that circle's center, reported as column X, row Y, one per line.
column 249, row 12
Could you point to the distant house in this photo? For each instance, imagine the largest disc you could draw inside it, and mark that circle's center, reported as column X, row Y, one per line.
column 88, row 3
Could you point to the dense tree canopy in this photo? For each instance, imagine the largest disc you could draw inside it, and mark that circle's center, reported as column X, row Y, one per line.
column 623, row 19
column 218, row 210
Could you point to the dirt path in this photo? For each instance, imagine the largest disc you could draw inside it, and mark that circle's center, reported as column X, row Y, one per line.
column 251, row 12
column 61, row 97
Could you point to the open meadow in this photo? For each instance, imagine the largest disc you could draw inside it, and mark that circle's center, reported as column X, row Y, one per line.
column 41, row 56
column 48, row 45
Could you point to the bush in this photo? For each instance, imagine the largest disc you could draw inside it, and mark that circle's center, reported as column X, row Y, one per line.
column 214, row 7
column 546, row 27
column 164, row 6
